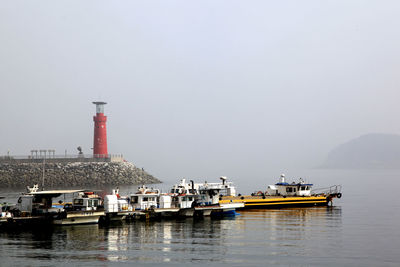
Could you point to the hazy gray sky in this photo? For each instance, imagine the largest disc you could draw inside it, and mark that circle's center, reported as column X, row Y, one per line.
column 199, row 88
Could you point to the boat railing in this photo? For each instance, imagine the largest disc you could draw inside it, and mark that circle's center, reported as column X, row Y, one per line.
column 332, row 190
column 226, row 185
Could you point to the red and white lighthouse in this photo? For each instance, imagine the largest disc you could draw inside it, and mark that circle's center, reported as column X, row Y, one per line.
column 100, row 132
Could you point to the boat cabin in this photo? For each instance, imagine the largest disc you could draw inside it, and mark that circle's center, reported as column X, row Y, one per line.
column 41, row 202
column 209, row 194
column 85, row 201
column 144, row 198
column 184, row 195
column 224, row 188
column 183, row 188
column 115, row 203
column 283, row 188
column 184, row 201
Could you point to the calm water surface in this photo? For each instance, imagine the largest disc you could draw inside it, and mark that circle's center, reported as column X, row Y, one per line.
column 361, row 229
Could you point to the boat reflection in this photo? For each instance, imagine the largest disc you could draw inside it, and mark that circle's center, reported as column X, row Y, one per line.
column 166, row 241
column 258, row 233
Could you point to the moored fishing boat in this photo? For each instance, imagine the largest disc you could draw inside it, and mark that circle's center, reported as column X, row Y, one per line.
column 38, row 206
column 209, row 198
column 85, row 208
column 150, row 203
column 184, row 197
column 202, row 199
column 284, row 194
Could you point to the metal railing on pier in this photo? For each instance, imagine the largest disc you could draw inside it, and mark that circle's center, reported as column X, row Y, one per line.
column 62, row 158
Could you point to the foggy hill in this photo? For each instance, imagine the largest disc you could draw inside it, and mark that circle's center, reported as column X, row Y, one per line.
column 366, row 152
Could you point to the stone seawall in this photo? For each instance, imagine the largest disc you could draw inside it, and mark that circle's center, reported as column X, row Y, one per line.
column 72, row 174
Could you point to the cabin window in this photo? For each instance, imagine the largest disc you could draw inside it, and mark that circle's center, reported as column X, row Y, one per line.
column 172, row 191
column 294, row 189
column 190, row 198
column 289, row 189
column 151, row 198
column 145, row 199
column 302, row 188
column 78, row 202
column 177, row 191
column 93, row 203
column 184, row 199
column 134, row 199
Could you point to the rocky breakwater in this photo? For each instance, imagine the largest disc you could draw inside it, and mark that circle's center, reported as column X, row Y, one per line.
column 72, row 174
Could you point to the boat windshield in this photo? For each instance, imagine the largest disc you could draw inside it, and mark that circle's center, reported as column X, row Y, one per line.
column 93, row 202
column 78, row 202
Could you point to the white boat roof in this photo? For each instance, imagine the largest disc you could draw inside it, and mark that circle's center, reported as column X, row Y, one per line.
column 52, row 192
column 144, row 195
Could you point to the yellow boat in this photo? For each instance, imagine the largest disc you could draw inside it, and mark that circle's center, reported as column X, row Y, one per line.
column 283, row 194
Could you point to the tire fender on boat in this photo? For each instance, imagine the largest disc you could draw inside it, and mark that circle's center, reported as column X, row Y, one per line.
column 339, row 195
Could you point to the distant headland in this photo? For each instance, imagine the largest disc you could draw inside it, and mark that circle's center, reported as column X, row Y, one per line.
column 370, row 151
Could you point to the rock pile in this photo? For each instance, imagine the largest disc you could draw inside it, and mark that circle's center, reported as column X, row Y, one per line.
column 71, row 174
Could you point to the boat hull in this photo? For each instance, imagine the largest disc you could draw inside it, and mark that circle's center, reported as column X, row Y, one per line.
column 203, row 211
column 166, row 212
column 186, row 212
column 114, row 216
column 28, row 222
column 255, row 202
column 84, row 217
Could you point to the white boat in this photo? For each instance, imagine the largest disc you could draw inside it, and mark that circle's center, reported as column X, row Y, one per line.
column 144, row 198
column 210, row 194
column 184, row 196
column 184, row 200
column 149, row 202
column 178, row 203
column 202, row 199
column 85, row 207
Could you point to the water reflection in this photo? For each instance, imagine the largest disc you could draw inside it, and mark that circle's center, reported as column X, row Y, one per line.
column 297, row 232
column 251, row 238
column 167, row 241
